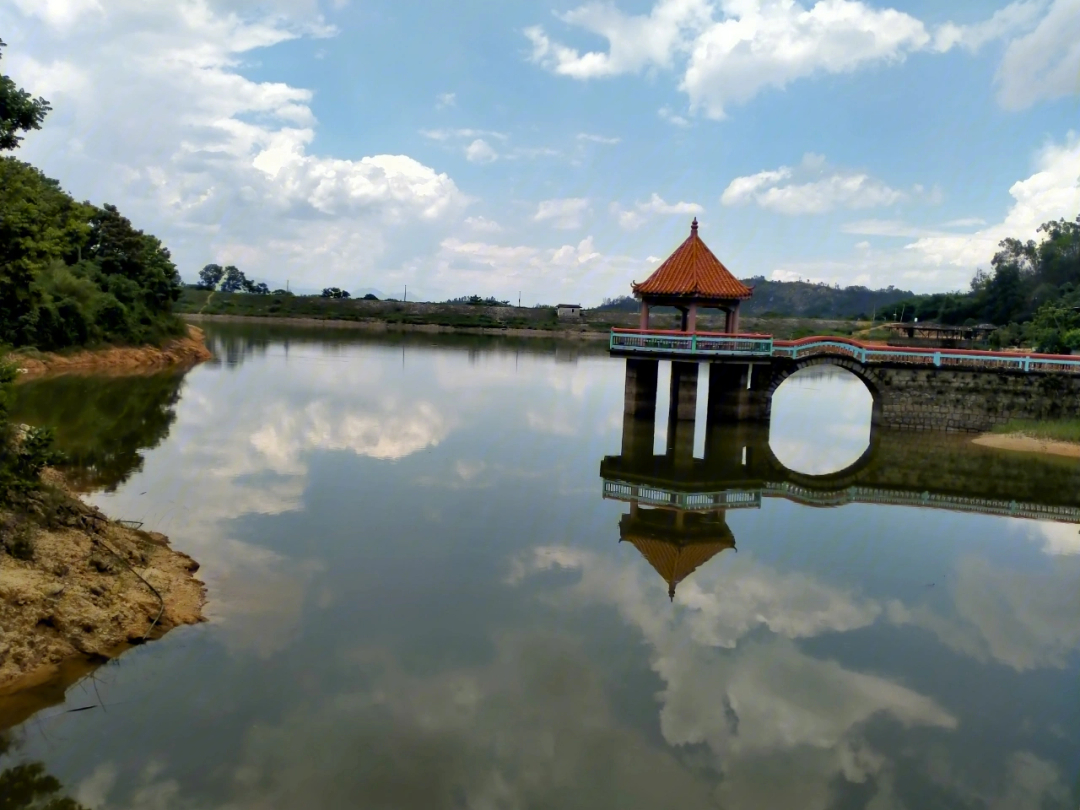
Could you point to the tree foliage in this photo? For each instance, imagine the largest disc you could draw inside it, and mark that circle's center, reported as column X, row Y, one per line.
column 1032, row 292
column 229, row 279
column 334, row 292
column 23, row 454
column 19, row 111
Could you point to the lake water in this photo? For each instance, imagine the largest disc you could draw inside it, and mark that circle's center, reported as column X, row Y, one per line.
column 420, row 596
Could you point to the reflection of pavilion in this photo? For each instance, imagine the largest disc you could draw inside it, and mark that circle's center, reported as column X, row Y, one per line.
column 679, row 502
column 676, row 542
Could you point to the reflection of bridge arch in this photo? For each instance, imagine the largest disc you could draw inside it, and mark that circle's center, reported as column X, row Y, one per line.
column 839, row 479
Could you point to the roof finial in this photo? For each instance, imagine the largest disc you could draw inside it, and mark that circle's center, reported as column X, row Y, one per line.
column 693, row 226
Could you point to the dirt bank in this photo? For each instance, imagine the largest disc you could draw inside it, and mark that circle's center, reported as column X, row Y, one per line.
column 185, row 351
column 85, row 591
column 1028, row 444
column 570, row 333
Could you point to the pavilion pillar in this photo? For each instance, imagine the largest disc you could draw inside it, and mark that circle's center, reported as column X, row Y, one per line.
column 643, row 323
column 640, row 392
column 733, row 318
column 691, row 318
column 682, row 410
column 728, row 396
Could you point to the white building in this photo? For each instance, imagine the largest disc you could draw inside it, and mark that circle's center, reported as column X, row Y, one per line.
column 569, row 310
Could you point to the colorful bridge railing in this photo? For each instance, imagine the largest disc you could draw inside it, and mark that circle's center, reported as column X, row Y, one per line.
column 711, row 344
column 751, row 498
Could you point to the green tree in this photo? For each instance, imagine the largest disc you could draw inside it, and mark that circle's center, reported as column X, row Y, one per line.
column 210, row 276
column 334, row 292
column 19, row 111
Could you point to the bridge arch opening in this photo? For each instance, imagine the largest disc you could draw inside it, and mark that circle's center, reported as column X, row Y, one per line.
column 821, row 419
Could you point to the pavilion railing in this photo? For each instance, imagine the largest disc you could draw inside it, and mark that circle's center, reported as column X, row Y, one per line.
column 712, row 344
column 695, row 343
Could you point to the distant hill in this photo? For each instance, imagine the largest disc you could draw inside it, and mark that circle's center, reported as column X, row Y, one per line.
column 799, row 298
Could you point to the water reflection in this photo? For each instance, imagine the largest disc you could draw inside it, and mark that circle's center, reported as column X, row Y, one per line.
column 820, row 420
column 420, row 601
column 102, row 424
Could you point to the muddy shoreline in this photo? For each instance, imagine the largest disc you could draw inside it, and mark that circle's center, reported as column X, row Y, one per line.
column 180, row 352
column 1020, row 442
column 90, row 588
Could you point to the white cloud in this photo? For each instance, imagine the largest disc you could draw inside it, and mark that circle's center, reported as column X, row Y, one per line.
column 466, row 133
column 635, row 217
column 667, row 114
column 1052, row 192
column 1045, row 63
column 483, row 224
column 480, row 151
column 1006, row 22
column 444, row 100
column 565, row 213
column 773, row 44
column 634, row 42
column 585, row 136
column 837, row 189
column 729, row 52
column 151, row 113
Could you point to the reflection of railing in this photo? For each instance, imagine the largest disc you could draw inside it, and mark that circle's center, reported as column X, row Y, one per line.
column 710, row 344
column 689, row 501
column 751, row 498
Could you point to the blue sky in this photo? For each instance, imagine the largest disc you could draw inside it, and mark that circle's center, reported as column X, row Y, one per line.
column 561, row 150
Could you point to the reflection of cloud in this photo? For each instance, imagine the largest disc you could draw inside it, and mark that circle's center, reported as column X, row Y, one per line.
column 531, row 728
column 1059, row 539
column 1025, row 620
column 395, row 431
column 748, row 698
column 820, row 420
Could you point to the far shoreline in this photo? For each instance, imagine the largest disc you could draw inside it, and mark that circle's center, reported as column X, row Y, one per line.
column 373, row 325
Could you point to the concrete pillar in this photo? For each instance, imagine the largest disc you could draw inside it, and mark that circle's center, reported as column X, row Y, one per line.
column 728, row 400
column 691, row 318
column 738, row 392
column 637, row 439
column 684, row 377
column 643, row 323
column 733, row 319
column 682, row 411
column 640, row 392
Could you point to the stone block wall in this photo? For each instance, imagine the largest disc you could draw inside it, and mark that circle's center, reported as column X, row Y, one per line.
column 962, row 400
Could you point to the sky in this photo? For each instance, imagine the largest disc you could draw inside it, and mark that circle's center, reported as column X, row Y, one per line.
column 556, row 152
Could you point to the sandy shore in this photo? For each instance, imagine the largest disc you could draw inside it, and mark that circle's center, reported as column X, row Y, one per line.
column 91, row 588
column 1028, row 444
column 185, row 351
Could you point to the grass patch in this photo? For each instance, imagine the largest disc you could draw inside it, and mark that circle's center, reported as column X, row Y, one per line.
column 1060, row 430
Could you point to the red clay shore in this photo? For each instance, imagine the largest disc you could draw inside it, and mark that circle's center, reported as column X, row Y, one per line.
column 180, row 352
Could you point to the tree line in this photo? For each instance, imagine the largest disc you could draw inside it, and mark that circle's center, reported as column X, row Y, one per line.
column 1032, row 292
column 72, row 273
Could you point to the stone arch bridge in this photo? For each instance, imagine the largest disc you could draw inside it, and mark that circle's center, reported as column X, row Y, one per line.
column 912, row 389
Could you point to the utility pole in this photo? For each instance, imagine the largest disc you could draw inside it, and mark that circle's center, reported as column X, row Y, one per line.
column 286, row 285
column 519, row 299
column 406, row 296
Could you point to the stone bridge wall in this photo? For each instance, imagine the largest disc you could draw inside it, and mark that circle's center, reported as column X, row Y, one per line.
column 907, row 398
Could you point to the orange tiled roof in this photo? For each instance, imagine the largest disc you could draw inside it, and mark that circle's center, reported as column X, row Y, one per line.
column 693, row 270
column 675, row 562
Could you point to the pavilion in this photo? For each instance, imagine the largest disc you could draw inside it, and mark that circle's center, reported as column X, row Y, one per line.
column 692, row 278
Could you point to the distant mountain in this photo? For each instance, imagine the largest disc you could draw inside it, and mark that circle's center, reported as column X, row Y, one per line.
column 799, row 298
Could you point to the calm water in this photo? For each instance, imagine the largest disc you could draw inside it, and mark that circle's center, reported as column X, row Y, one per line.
column 421, row 598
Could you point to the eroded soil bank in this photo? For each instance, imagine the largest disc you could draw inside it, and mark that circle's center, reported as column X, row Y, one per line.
column 1028, row 444
column 185, row 351
column 76, row 585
